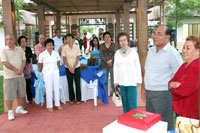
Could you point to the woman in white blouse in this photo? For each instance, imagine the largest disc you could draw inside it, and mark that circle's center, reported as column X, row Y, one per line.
column 127, row 72
column 48, row 63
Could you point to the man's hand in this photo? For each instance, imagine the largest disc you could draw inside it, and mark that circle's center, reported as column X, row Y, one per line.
column 18, row 72
column 143, row 92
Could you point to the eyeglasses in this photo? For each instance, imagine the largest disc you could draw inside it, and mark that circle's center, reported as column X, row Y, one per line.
column 157, row 34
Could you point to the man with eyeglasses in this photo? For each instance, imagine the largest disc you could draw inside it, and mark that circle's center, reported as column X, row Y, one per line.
column 162, row 62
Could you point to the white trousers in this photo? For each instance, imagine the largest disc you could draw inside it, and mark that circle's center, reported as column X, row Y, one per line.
column 51, row 80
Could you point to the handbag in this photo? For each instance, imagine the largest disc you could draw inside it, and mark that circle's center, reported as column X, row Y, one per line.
column 116, row 98
column 92, row 62
column 187, row 125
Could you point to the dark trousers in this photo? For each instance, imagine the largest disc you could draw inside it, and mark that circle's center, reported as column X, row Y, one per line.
column 76, row 77
column 28, row 90
column 160, row 102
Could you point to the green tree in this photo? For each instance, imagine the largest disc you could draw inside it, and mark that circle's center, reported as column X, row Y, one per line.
column 177, row 10
column 18, row 15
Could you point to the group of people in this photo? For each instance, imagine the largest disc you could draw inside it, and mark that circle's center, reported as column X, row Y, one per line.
column 167, row 83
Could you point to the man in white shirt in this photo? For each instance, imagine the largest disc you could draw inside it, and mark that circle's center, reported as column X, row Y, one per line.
column 162, row 62
column 57, row 40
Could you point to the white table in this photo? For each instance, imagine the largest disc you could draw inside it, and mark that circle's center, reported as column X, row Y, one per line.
column 114, row 127
column 65, row 93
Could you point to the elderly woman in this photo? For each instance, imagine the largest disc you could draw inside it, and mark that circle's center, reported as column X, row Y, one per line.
column 22, row 41
column 107, row 52
column 71, row 55
column 49, row 63
column 127, row 72
column 185, row 83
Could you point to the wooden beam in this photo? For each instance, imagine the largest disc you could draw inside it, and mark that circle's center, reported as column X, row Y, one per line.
column 142, row 31
column 9, row 17
column 117, row 17
column 149, row 4
column 39, row 2
column 126, row 18
column 58, row 19
column 41, row 19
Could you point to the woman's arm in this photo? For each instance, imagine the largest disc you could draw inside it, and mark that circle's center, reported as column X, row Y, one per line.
column 40, row 66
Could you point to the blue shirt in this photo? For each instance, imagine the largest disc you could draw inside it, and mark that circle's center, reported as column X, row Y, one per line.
column 57, row 43
column 160, row 67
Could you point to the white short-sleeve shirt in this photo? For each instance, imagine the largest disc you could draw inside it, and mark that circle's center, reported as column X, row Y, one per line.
column 49, row 61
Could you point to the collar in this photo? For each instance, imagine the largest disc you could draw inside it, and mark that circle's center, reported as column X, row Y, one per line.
column 9, row 48
column 165, row 48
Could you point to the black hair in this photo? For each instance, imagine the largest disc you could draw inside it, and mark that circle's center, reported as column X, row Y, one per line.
column 57, row 30
column 97, row 43
column 20, row 38
column 49, row 40
column 107, row 33
column 70, row 35
column 64, row 37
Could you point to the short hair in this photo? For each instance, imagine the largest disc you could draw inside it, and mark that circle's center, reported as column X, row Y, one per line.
column 107, row 33
column 101, row 29
column 195, row 40
column 49, row 40
column 57, row 30
column 64, row 37
column 122, row 34
column 70, row 35
column 13, row 37
column 85, row 33
column 20, row 38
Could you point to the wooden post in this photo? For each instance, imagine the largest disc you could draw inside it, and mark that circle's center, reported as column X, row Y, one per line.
column 58, row 17
column 41, row 19
column 9, row 17
column 117, row 17
column 126, row 18
column 142, row 31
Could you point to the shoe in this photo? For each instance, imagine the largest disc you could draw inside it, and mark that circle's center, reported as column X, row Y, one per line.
column 71, row 102
column 11, row 115
column 78, row 102
column 50, row 109
column 20, row 110
column 59, row 107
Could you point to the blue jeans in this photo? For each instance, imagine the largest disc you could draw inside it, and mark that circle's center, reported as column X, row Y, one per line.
column 129, row 97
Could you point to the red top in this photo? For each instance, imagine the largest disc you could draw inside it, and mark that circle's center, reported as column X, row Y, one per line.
column 185, row 97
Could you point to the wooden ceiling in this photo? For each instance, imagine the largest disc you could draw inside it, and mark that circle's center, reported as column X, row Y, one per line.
column 81, row 6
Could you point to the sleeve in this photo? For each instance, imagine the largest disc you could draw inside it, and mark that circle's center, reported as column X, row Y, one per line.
column 115, row 69
column 78, row 50
column 22, row 54
column 189, row 83
column 40, row 58
column 37, row 50
column 147, row 59
column 3, row 55
column 30, row 52
column 102, row 54
column 63, row 53
column 176, row 61
column 138, row 68
column 58, row 56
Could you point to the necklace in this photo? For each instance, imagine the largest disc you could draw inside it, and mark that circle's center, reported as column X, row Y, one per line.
column 124, row 50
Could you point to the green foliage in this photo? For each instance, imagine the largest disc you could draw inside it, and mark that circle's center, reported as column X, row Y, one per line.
column 18, row 15
column 84, row 29
column 1, row 66
column 1, row 96
column 177, row 10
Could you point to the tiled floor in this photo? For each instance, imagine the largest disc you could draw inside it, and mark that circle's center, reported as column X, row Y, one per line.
column 83, row 118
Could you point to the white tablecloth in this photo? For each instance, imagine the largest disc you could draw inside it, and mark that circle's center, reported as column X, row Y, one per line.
column 114, row 127
column 65, row 93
